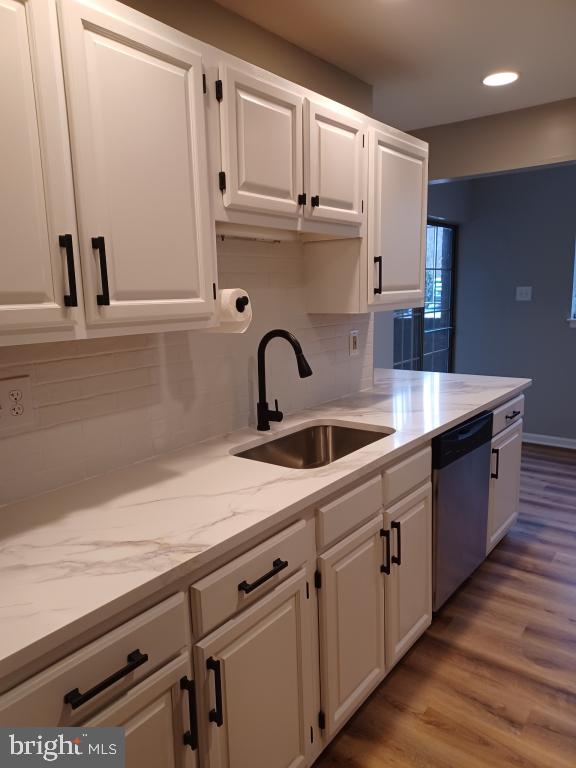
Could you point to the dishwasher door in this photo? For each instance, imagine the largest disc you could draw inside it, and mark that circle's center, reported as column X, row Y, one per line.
column 461, row 481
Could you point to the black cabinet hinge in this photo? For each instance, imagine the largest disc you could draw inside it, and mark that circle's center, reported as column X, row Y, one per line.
column 315, row 201
column 222, row 181
column 302, row 199
column 317, row 579
column 321, row 720
column 204, row 87
column 219, row 91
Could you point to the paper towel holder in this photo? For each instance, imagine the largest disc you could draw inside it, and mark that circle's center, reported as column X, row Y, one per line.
column 241, row 303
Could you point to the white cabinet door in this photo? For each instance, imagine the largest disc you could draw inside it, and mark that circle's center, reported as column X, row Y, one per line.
column 409, row 583
column 261, row 130
column 333, row 164
column 36, row 191
column 155, row 716
column 255, row 679
column 351, row 600
column 398, row 173
column 137, row 127
column 504, row 483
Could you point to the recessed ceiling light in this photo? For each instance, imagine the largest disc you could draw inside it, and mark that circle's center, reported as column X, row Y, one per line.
column 501, row 78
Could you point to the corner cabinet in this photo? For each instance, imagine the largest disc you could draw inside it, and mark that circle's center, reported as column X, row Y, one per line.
column 397, row 209
column 255, row 683
column 40, row 289
column 384, row 268
column 138, row 136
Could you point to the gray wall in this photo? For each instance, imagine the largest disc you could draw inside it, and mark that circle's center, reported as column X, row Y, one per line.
column 383, row 339
column 520, row 230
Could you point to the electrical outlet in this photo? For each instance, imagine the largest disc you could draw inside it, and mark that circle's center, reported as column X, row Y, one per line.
column 353, row 344
column 524, row 293
column 15, row 404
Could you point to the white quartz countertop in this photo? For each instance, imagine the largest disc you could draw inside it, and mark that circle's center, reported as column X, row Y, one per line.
column 74, row 557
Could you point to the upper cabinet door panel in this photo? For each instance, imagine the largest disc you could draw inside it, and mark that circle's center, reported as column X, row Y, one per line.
column 397, row 214
column 36, row 199
column 333, row 165
column 138, row 136
column 261, row 126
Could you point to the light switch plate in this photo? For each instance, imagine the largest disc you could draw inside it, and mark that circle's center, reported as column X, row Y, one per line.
column 524, row 293
column 15, row 404
column 353, row 347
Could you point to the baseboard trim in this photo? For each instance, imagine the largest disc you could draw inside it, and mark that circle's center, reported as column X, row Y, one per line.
column 551, row 440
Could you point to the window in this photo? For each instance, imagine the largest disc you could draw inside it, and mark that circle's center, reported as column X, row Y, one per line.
column 424, row 337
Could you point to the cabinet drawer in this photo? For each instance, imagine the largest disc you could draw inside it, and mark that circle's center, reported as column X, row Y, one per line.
column 348, row 512
column 236, row 585
column 403, row 477
column 159, row 633
column 507, row 414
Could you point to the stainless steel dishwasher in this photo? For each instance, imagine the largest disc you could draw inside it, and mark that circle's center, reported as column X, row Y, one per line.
column 461, row 480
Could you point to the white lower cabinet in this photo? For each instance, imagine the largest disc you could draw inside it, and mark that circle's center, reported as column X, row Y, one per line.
column 408, row 541
column 351, row 602
column 504, row 483
column 155, row 716
column 255, row 679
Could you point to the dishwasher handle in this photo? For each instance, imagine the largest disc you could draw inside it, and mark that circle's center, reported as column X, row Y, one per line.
column 461, row 440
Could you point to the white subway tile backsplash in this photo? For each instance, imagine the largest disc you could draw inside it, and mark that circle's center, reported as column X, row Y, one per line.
column 105, row 403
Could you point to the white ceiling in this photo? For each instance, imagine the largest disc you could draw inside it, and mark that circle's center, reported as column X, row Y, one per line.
column 427, row 58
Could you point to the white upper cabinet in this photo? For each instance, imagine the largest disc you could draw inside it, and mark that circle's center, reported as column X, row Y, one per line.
column 137, row 128
column 397, row 220
column 37, row 217
column 261, row 135
column 333, row 164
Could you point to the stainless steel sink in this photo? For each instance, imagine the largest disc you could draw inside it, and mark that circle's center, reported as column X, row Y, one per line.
column 315, row 445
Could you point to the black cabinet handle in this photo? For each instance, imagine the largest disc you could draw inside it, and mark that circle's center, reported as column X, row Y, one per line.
column 191, row 736
column 494, row 475
column 385, row 533
column 315, row 201
column 216, row 715
column 378, row 260
column 102, row 299
column 134, row 659
column 277, row 566
column 71, row 298
column 398, row 558
column 512, row 415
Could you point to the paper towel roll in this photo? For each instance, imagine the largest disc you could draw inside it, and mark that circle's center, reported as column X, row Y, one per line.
column 234, row 311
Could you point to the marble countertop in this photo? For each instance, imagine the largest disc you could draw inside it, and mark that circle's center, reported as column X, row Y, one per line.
column 74, row 557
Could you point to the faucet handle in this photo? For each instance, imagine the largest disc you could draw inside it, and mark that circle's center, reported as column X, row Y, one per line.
column 276, row 414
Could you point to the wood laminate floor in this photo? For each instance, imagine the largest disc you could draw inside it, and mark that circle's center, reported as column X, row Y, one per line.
column 492, row 684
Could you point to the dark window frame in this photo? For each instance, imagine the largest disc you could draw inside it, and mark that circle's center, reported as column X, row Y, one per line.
column 417, row 319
